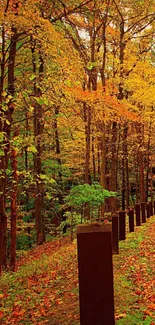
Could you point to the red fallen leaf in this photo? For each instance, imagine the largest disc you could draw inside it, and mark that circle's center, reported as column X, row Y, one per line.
column 58, row 302
column 148, row 313
column 151, row 306
column 1, row 314
column 19, row 313
column 152, row 299
column 43, row 312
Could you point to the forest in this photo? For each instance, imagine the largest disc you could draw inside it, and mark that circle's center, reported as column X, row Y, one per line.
column 77, row 116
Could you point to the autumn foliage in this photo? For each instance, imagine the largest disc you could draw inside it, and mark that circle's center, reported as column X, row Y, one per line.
column 76, row 107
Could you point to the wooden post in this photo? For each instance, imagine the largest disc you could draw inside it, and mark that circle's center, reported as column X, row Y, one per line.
column 143, row 212
column 122, row 223
column 151, row 208
column 154, row 207
column 148, row 209
column 95, row 274
column 131, row 219
column 115, row 242
column 137, row 210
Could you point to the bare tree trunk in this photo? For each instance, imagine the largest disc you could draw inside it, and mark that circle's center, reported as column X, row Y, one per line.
column 125, row 179
column 137, row 177
column 3, row 219
column 7, row 130
column 38, row 132
column 61, row 215
column 13, row 209
column 148, row 160
column 26, row 168
column 87, row 118
column 98, row 161
column 113, row 180
column 103, row 158
column 2, row 215
column 87, row 113
column 141, row 176
column 93, row 158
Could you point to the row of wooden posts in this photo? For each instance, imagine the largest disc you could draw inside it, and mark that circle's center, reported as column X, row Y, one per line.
column 96, row 244
column 141, row 212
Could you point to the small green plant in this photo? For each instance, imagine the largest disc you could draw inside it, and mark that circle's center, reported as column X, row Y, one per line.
column 94, row 195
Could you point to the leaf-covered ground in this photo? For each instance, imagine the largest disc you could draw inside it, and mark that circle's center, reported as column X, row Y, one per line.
column 44, row 290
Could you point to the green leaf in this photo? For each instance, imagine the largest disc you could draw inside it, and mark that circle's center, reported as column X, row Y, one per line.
column 48, row 196
column 32, row 77
column 32, row 149
column 1, row 153
column 40, row 101
column 91, row 65
column 25, row 94
column 1, row 136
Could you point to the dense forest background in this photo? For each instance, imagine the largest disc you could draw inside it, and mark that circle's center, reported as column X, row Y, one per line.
column 77, row 93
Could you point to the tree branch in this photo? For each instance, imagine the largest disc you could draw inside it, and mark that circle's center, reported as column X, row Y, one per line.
column 69, row 12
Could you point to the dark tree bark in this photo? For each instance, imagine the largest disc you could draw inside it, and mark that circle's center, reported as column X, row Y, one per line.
column 3, row 218
column 113, row 179
column 93, row 158
column 38, row 132
column 13, row 209
column 87, row 117
column 7, row 129
column 87, row 178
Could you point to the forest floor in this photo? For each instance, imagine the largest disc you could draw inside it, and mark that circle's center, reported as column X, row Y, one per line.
column 44, row 290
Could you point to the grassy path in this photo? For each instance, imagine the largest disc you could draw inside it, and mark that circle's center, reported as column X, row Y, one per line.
column 44, row 290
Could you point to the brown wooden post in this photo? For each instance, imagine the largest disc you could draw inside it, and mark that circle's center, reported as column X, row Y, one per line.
column 115, row 242
column 151, row 208
column 148, row 209
column 143, row 212
column 154, row 207
column 131, row 219
column 122, row 223
column 95, row 274
column 137, row 210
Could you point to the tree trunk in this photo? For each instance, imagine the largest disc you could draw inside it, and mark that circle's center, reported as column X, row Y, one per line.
column 7, row 130
column 103, row 158
column 61, row 215
column 137, row 178
column 120, row 97
column 3, row 223
column 93, row 158
column 113, row 180
column 38, row 132
column 125, row 173
column 87, row 114
column 141, row 176
column 148, row 160
column 3, row 219
column 13, row 209
column 26, row 168
column 87, row 179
